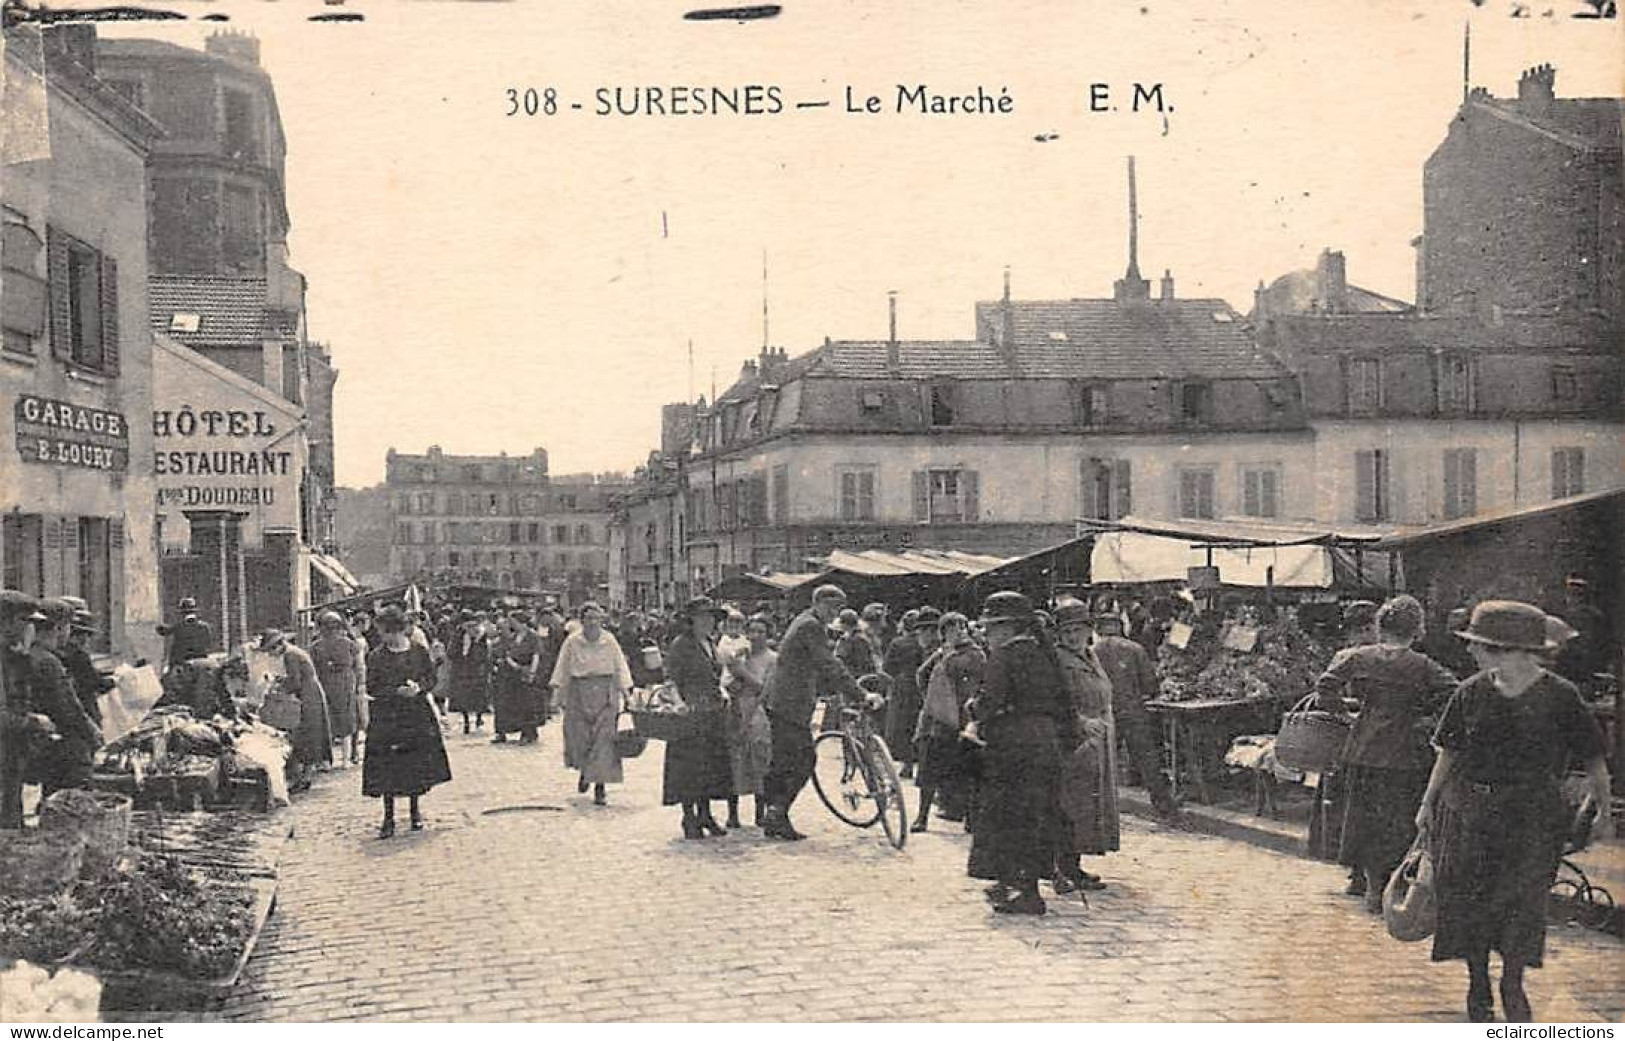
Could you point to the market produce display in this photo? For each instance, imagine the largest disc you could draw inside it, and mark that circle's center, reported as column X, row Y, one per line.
column 1283, row 663
column 171, row 753
column 149, row 912
column 30, row 993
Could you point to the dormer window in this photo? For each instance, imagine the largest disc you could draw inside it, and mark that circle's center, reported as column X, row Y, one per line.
column 1364, row 386
column 1196, row 403
column 1456, row 384
column 1092, row 405
column 1565, row 385
column 873, row 400
column 942, row 405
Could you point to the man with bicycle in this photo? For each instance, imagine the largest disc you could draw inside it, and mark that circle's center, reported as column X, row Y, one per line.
column 806, row 666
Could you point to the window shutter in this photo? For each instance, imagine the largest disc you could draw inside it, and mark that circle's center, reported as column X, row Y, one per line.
column 1122, row 490
column 57, row 261
column 110, row 344
column 1469, row 482
column 922, row 497
column 1365, row 486
column 1088, row 505
column 970, row 489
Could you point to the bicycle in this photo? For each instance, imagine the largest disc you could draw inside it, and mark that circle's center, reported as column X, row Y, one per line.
column 853, row 771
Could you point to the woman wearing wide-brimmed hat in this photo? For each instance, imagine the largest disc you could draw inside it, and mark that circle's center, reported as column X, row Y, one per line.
column 1024, row 716
column 1493, row 809
column 337, row 658
column 697, row 767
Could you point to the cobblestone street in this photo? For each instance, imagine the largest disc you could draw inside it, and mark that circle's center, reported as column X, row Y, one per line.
column 524, row 901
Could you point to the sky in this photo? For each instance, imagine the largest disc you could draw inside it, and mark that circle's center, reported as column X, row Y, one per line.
column 490, row 283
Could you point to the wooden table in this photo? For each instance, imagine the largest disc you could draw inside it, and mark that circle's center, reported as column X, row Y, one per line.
column 1205, row 726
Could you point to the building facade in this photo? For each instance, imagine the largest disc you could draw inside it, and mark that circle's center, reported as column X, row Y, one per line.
column 76, row 368
column 499, row 521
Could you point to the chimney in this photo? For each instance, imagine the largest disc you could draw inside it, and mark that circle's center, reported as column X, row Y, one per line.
column 1333, row 280
column 1131, row 286
column 243, row 47
column 894, row 353
column 747, row 370
column 1007, row 318
column 1167, row 285
column 1537, row 88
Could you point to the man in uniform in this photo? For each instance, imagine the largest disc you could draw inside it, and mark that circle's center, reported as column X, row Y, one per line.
column 63, row 762
column 806, row 665
column 19, row 724
column 1134, row 682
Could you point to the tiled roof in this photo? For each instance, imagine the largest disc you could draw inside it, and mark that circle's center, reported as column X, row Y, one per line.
column 230, row 311
column 1402, row 333
column 1593, row 120
column 1155, row 339
column 919, row 359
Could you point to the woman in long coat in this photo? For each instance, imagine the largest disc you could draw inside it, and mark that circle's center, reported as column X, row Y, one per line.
column 1493, row 808
column 750, row 745
column 1091, row 825
column 1023, row 715
column 1385, row 758
column 902, row 662
column 339, row 669
column 592, row 679
column 697, row 768
column 313, row 737
column 518, row 655
column 405, row 752
column 470, row 658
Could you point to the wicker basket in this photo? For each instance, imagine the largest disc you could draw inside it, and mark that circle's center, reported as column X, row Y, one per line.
column 667, row 726
column 38, row 862
column 629, row 744
column 1311, row 740
column 101, row 819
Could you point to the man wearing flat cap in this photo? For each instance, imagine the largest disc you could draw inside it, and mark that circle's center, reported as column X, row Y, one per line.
column 63, row 762
column 89, row 683
column 806, row 667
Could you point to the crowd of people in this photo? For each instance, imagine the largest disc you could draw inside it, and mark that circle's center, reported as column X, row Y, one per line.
column 1010, row 723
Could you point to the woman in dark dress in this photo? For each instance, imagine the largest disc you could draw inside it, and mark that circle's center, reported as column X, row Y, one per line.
column 1023, row 715
column 518, row 656
column 405, row 754
column 948, row 680
column 1493, row 808
column 1385, row 758
column 697, row 768
column 902, row 662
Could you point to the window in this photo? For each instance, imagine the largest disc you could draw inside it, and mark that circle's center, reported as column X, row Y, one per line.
column 1371, row 498
column 856, row 493
column 1196, row 403
column 1196, row 492
column 583, row 535
column 1093, row 407
column 781, row 494
column 1364, row 386
column 1460, row 482
column 244, row 250
column 426, row 502
column 942, row 405
column 533, row 533
column 1568, row 472
column 1261, row 491
column 242, row 137
column 23, row 294
column 567, row 502
column 1104, row 490
column 471, row 472
column 513, row 531
column 561, row 561
column 23, row 552
column 1456, row 384
column 84, row 303
column 96, row 574
column 873, row 400
column 454, row 503
column 1565, row 386
column 561, row 534
column 947, row 496
column 454, row 558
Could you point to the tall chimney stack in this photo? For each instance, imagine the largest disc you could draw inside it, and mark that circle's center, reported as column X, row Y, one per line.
column 1167, row 284
column 1131, row 286
column 894, row 353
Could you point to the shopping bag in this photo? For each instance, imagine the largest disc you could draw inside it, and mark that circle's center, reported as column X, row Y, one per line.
column 1409, row 908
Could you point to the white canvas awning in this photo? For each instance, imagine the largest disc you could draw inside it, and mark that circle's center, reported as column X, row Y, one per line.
column 1130, row 557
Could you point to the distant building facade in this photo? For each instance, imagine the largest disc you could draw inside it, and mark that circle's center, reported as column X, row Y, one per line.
column 499, row 521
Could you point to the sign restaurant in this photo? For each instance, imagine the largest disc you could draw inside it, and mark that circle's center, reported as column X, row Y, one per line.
column 60, row 433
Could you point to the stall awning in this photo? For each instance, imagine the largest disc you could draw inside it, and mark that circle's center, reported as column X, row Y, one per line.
column 875, row 563
column 1129, row 557
column 761, row 587
column 1407, row 538
column 1246, row 531
column 336, row 573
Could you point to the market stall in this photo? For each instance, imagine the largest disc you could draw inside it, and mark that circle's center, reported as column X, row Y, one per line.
column 904, row 578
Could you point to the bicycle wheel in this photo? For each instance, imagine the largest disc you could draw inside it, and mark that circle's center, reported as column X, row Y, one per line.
column 888, row 791
column 841, row 782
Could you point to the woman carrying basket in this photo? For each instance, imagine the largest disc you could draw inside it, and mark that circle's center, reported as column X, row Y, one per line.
column 1494, row 813
column 592, row 680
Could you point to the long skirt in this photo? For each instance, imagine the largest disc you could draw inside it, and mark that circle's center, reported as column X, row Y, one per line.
column 1089, row 799
column 405, row 754
column 591, row 705
column 313, row 737
column 902, row 716
column 941, row 761
column 1379, row 819
column 470, row 689
column 1495, row 857
column 1017, row 806
column 340, row 685
column 750, row 743
column 514, row 700
column 697, row 768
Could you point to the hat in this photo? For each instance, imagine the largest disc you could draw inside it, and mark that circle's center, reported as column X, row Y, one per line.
column 829, row 592
column 390, row 619
column 1359, row 613
column 1509, row 624
column 847, row 619
column 270, row 639
column 330, row 618
column 187, row 604
column 1577, row 580
column 924, row 618
column 14, row 604
column 56, row 610
column 874, row 612
column 704, row 605
column 1069, row 613
column 1559, row 632
column 1007, row 606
